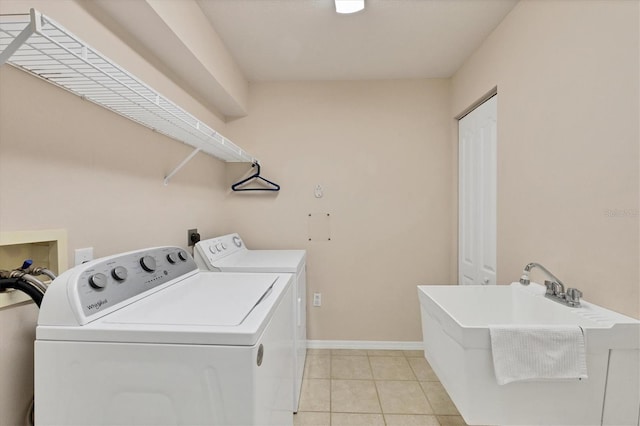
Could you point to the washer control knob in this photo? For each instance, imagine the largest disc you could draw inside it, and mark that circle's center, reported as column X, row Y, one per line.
column 224, row 246
column 183, row 255
column 148, row 263
column 98, row 281
column 237, row 241
column 218, row 247
column 212, row 249
column 172, row 258
column 119, row 273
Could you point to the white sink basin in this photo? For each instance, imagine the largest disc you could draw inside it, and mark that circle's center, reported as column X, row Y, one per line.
column 455, row 325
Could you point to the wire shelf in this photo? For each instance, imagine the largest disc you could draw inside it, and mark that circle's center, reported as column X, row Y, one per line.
column 38, row 45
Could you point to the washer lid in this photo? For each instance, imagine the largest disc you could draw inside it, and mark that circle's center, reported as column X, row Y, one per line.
column 199, row 302
column 209, row 308
column 289, row 261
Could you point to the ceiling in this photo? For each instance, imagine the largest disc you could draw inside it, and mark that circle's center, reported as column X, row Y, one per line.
column 294, row 40
column 390, row 39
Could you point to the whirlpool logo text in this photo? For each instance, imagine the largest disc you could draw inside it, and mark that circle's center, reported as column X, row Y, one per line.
column 97, row 305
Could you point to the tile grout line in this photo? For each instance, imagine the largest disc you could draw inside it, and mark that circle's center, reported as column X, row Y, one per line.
column 375, row 385
column 330, row 388
column 413, row 372
column 424, row 392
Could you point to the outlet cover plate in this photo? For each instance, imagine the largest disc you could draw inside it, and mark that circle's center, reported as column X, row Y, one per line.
column 83, row 255
column 189, row 232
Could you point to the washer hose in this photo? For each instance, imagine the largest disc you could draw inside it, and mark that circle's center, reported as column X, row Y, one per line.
column 44, row 271
column 16, row 273
column 30, row 421
column 31, row 290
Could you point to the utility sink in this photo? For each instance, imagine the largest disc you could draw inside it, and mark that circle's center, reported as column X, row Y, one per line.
column 455, row 326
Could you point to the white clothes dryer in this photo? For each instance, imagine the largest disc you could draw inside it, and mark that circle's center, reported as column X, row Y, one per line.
column 228, row 253
column 145, row 338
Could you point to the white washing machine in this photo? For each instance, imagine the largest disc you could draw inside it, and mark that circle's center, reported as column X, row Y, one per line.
column 229, row 254
column 145, row 338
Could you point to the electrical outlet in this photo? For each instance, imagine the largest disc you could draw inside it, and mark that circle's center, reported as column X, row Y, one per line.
column 83, row 255
column 317, row 299
column 192, row 237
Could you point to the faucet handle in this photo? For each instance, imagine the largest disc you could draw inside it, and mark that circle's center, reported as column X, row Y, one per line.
column 573, row 296
column 554, row 288
column 550, row 287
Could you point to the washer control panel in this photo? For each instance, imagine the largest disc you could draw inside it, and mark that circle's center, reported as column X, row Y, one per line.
column 217, row 248
column 106, row 282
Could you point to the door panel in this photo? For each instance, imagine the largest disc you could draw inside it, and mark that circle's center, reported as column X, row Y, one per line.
column 477, row 195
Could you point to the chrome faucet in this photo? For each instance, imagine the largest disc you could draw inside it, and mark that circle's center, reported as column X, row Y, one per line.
column 555, row 288
column 524, row 279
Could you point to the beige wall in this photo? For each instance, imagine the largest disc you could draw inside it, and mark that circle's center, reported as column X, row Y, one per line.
column 567, row 76
column 381, row 152
column 17, row 334
column 75, row 18
column 67, row 163
column 568, row 134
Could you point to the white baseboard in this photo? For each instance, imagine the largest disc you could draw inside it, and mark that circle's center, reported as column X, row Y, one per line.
column 363, row 344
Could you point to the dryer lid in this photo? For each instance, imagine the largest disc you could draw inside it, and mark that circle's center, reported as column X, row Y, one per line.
column 280, row 261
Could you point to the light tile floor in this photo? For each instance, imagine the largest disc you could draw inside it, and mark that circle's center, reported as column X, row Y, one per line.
column 370, row 388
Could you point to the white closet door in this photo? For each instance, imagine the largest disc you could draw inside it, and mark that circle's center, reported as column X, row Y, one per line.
column 477, row 195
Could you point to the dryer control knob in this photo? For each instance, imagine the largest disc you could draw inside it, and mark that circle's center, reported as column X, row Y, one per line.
column 172, row 258
column 98, row 281
column 212, row 249
column 218, row 247
column 224, row 246
column 119, row 273
column 148, row 263
column 183, row 255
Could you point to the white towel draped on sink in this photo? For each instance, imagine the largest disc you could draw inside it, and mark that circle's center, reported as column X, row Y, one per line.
column 544, row 352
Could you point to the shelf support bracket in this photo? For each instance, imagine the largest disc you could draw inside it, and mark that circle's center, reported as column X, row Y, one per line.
column 168, row 177
column 34, row 26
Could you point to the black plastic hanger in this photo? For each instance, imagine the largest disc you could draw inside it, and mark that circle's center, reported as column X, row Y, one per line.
column 256, row 176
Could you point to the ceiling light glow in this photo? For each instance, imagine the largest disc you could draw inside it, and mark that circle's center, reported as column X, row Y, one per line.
column 349, row 6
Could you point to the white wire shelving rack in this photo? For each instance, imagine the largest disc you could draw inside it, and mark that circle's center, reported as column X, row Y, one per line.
column 36, row 44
